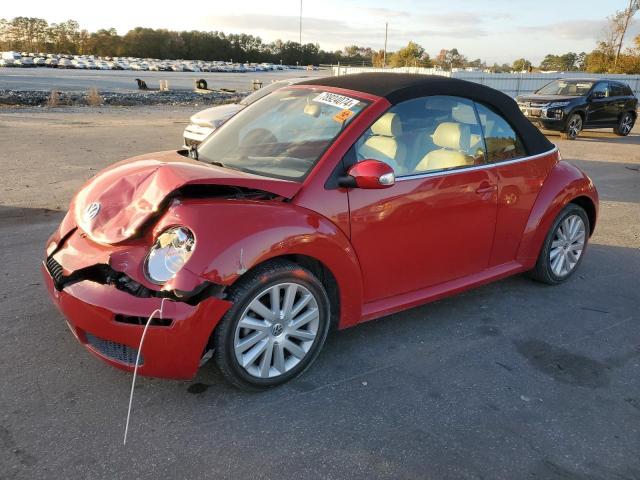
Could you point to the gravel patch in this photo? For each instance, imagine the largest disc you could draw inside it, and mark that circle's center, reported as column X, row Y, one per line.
column 36, row 98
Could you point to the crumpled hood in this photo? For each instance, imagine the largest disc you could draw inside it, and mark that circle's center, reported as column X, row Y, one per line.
column 115, row 203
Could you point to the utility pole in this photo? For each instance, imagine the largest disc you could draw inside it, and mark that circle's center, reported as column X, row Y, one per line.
column 384, row 54
column 300, row 37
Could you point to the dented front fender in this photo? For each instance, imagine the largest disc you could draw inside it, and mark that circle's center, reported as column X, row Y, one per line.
column 233, row 236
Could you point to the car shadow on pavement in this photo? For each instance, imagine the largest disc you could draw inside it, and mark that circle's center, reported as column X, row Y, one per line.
column 21, row 215
column 514, row 367
column 599, row 137
column 488, row 311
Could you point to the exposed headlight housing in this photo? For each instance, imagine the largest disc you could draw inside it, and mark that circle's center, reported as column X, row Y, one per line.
column 169, row 253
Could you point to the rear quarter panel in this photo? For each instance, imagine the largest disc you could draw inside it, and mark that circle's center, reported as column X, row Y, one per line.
column 564, row 183
column 519, row 186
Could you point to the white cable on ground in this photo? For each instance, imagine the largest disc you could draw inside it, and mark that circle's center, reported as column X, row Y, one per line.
column 135, row 368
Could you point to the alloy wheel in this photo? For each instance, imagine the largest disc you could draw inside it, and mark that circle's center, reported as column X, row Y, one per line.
column 575, row 126
column 626, row 124
column 567, row 245
column 277, row 330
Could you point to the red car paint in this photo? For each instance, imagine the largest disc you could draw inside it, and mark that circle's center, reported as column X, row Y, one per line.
column 367, row 174
column 388, row 249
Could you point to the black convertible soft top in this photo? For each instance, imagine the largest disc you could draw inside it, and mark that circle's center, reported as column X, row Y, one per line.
column 398, row 87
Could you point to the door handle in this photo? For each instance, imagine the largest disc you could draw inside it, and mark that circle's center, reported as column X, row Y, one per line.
column 485, row 188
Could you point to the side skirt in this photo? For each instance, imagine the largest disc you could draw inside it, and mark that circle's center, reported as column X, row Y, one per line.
column 388, row 306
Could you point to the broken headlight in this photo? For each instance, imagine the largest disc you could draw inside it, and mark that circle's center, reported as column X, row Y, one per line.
column 169, row 253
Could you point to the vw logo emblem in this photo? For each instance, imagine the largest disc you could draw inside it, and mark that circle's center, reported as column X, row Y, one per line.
column 91, row 211
column 277, row 329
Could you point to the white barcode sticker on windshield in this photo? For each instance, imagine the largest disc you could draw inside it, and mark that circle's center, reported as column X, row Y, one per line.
column 335, row 100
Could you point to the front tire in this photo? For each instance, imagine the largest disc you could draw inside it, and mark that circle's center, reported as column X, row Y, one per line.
column 625, row 125
column 276, row 327
column 573, row 127
column 563, row 247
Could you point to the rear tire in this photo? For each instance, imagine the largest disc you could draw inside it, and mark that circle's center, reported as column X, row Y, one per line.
column 625, row 125
column 573, row 127
column 564, row 246
column 267, row 338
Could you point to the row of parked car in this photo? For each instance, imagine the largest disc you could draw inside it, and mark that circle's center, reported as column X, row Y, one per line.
column 567, row 106
column 91, row 62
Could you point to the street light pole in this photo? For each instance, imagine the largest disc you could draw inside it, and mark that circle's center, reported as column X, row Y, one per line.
column 300, row 23
column 384, row 54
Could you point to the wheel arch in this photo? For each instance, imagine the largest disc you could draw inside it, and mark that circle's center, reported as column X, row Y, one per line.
column 582, row 113
column 315, row 266
column 589, row 207
column 565, row 184
column 633, row 113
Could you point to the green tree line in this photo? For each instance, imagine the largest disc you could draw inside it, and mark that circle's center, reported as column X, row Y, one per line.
column 37, row 35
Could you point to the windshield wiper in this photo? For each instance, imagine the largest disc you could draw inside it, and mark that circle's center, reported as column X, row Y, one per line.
column 193, row 153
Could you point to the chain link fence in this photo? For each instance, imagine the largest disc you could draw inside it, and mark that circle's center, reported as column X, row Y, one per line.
column 512, row 84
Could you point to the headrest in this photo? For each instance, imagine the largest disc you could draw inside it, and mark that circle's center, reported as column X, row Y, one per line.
column 454, row 136
column 388, row 125
column 464, row 113
column 312, row 109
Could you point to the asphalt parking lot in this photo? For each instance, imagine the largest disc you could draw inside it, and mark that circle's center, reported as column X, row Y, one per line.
column 515, row 380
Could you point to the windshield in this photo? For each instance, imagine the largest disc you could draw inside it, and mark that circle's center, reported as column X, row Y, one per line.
column 258, row 94
column 283, row 135
column 566, row 87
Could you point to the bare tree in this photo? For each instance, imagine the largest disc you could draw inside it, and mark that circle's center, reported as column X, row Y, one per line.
column 619, row 24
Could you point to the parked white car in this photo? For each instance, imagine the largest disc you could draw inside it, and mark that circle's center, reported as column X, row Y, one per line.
column 25, row 62
column 203, row 123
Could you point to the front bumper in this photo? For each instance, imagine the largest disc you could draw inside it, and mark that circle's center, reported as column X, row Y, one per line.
column 545, row 124
column 97, row 315
column 541, row 116
column 548, row 124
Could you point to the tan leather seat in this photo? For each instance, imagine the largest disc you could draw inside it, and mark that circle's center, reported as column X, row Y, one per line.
column 454, row 140
column 383, row 144
column 464, row 113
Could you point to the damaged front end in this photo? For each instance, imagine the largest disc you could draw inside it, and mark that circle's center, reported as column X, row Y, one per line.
column 112, row 262
column 106, row 303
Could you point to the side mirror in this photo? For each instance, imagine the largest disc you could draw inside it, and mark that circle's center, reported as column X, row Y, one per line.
column 370, row 174
column 597, row 95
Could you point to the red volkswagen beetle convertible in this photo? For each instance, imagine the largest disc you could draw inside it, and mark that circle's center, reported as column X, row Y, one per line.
column 327, row 203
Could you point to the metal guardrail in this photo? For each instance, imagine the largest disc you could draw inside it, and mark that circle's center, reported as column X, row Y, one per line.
column 512, row 84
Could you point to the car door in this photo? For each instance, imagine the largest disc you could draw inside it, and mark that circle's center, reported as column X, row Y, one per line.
column 519, row 181
column 618, row 100
column 437, row 222
column 598, row 112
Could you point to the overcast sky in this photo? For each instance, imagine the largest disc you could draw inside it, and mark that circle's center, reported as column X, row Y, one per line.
column 494, row 30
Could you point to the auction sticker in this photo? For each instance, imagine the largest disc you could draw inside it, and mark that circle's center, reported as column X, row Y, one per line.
column 340, row 117
column 335, row 100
